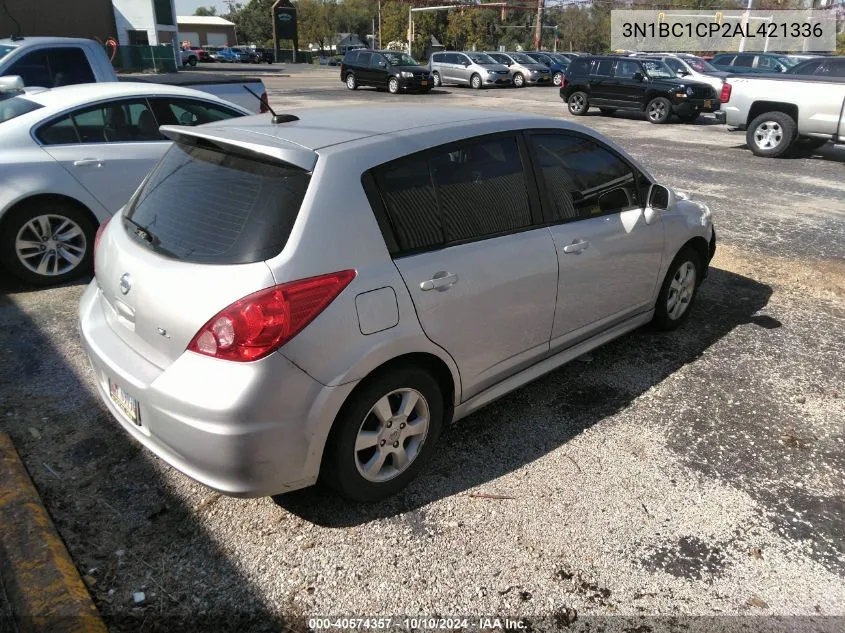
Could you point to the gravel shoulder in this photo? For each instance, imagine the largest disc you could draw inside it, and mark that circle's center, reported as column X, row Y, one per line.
column 699, row 472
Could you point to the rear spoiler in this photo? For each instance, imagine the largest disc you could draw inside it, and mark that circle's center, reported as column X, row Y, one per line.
column 273, row 147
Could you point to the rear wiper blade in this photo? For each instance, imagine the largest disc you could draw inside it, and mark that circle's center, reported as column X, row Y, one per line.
column 143, row 232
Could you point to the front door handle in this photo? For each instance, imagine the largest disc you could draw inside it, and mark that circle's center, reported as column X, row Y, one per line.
column 576, row 247
column 87, row 162
column 441, row 281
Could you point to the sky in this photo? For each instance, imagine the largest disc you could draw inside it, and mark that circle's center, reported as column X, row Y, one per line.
column 187, row 7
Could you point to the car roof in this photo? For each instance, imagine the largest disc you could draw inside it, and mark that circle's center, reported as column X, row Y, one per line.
column 8, row 41
column 79, row 94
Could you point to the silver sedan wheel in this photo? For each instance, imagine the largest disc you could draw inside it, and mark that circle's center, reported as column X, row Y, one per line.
column 557, row 79
column 656, row 110
column 50, row 245
column 768, row 135
column 391, row 435
column 681, row 291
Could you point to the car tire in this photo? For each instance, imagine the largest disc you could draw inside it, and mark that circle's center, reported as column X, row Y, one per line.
column 393, row 85
column 359, row 436
column 690, row 117
column 435, row 77
column 578, row 103
column 519, row 80
column 475, row 81
column 192, row 61
column 22, row 223
column 658, row 110
column 557, row 78
column 679, row 289
column 607, row 111
column 771, row 134
column 351, row 81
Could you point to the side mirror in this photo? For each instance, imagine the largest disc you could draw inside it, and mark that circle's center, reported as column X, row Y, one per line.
column 382, row 64
column 11, row 83
column 638, row 76
column 683, row 73
column 660, row 198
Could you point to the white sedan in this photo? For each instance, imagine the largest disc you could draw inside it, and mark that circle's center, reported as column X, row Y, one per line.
column 72, row 156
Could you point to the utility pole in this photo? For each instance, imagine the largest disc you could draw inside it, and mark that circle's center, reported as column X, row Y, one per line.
column 379, row 24
column 538, row 28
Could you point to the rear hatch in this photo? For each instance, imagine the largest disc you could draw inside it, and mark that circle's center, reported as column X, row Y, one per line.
column 193, row 240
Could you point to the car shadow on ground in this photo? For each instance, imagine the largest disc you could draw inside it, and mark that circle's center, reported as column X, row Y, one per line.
column 126, row 529
column 496, row 440
column 828, row 152
column 633, row 115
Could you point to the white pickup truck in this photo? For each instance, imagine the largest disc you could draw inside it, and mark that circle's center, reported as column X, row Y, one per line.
column 779, row 112
column 57, row 61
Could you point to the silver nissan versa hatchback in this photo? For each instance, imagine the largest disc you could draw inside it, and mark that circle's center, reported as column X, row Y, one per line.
column 318, row 297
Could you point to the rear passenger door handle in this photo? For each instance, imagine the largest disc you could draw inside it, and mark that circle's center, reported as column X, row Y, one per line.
column 87, row 162
column 576, row 247
column 441, row 281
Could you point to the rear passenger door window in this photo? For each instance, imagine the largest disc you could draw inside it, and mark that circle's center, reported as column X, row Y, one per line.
column 465, row 193
column 602, row 67
column 744, row 61
column 170, row 111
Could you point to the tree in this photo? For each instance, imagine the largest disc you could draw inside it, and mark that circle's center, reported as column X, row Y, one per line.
column 254, row 22
column 316, row 22
column 205, row 11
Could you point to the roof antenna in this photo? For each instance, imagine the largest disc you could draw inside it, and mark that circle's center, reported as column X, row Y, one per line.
column 16, row 36
column 277, row 118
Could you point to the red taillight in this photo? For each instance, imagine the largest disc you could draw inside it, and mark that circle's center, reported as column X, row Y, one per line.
column 260, row 323
column 725, row 96
column 563, row 82
column 97, row 236
column 264, row 102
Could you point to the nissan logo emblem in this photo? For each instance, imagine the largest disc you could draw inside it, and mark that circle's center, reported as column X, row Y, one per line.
column 125, row 283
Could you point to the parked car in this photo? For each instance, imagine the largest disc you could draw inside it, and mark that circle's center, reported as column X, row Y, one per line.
column 820, row 66
column 335, row 60
column 188, row 57
column 746, row 63
column 524, row 71
column 692, row 67
column 262, row 55
column 557, row 65
column 630, row 83
column 201, row 54
column 244, row 54
column 468, row 69
column 49, row 62
column 367, row 276
column 72, row 156
column 226, row 56
column 384, row 69
column 782, row 112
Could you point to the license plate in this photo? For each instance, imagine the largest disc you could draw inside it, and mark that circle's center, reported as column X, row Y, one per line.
column 708, row 103
column 125, row 403
column 423, row 83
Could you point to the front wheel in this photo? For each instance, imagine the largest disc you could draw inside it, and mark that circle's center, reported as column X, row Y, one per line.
column 578, row 103
column 519, row 80
column 475, row 81
column 46, row 243
column 679, row 290
column 659, row 110
column 192, row 61
column 771, row 134
column 557, row 79
column 393, row 85
column 435, row 77
column 351, row 82
column 383, row 435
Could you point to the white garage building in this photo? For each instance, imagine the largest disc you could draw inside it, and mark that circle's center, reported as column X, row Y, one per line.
column 202, row 30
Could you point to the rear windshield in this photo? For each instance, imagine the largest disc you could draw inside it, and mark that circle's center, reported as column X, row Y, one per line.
column 15, row 107
column 201, row 204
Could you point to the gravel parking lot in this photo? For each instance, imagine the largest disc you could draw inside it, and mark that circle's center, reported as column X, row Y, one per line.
column 696, row 473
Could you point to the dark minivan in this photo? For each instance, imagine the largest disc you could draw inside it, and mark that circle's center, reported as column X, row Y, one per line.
column 384, row 69
column 628, row 83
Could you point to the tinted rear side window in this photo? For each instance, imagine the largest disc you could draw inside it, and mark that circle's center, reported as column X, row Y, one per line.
column 470, row 192
column 578, row 67
column 602, row 67
column 204, row 205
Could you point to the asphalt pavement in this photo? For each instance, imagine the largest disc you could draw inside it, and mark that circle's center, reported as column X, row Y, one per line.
column 695, row 473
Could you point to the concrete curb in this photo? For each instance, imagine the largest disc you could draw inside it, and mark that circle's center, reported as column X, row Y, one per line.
column 41, row 582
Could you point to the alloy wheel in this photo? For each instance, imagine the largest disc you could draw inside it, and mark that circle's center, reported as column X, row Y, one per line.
column 681, row 290
column 50, row 245
column 768, row 135
column 391, row 435
column 656, row 110
column 577, row 103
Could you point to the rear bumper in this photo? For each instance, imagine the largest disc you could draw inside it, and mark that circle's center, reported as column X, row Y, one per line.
column 245, row 429
column 720, row 116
